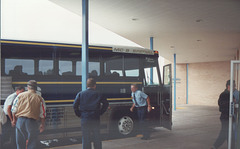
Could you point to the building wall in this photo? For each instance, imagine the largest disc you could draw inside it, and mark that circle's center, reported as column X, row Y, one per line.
column 181, row 84
column 206, row 81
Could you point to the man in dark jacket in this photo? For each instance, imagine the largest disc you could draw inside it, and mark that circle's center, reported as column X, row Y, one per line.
column 87, row 105
column 223, row 103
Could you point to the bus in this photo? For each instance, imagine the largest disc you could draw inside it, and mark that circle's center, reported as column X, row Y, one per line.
column 57, row 69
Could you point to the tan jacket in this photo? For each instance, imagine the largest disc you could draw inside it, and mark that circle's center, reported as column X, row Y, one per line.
column 29, row 104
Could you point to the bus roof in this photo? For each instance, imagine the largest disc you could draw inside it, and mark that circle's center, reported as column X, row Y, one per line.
column 118, row 49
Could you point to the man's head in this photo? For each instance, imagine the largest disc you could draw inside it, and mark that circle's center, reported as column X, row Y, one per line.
column 32, row 85
column 91, row 83
column 228, row 85
column 19, row 89
column 134, row 87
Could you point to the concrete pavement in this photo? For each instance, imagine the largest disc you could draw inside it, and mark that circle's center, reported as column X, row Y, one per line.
column 194, row 127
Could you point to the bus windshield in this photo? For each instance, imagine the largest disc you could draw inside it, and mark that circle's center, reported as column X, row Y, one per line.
column 151, row 63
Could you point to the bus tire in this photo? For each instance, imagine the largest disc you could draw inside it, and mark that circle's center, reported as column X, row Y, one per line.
column 123, row 125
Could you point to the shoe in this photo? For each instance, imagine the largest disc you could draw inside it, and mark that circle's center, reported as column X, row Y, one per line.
column 145, row 138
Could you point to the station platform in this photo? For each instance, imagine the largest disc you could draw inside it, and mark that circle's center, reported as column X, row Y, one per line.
column 194, row 127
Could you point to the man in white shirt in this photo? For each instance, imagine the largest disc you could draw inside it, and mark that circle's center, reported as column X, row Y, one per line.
column 9, row 131
column 3, row 120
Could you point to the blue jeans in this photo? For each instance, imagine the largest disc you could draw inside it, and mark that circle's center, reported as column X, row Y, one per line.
column 26, row 129
column 90, row 131
column 142, row 114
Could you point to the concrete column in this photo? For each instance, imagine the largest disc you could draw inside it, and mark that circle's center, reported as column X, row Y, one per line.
column 187, row 85
column 151, row 69
column 84, row 44
column 174, row 80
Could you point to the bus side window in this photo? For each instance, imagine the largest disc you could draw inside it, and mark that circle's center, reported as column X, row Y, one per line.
column 15, row 67
column 113, row 68
column 93, row 69
column 45, row 67
column 65, row 68
column 131, row 67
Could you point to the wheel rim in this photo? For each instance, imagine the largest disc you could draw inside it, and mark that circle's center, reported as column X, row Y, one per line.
column 125, row 125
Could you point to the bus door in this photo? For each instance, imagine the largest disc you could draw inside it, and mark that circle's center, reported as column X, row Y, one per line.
column 166, row 98
column 152, row 87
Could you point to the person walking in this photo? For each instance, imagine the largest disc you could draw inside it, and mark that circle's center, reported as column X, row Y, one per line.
column 87, row 105
column 3, row 120
column 142, row 103
column 27, row 109
column 9, row 133
column 223, row 103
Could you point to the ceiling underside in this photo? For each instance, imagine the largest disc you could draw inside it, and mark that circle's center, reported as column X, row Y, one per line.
column 196, row 30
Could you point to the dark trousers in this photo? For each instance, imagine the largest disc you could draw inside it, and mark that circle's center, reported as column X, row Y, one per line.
column 223, row 134
column 26, row 129
column 1, row 141
column 143, row 127
column 8, row 135
column 91, row 133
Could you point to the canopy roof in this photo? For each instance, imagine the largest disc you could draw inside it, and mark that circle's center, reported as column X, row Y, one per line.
column 42, row 20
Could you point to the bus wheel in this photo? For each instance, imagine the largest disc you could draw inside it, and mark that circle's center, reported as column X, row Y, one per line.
column 125, row 125
column 122, row 124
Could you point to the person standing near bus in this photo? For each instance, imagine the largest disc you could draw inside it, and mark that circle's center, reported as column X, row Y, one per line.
column 87, row 105
column 142, row 103
column 223, row 103
column 9, row 133
column 3, row 120
column 27, row 109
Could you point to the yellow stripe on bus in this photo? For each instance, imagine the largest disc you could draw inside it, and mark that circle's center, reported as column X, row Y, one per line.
column 79, row 82
column 49, row 82
column 111, row 99
column 41, row 44
column 51, row 44
column 100, row 48
column 72, row 100
column 119, row 82
column 56, row 101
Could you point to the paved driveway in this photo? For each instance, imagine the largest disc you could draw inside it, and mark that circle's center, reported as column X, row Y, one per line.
column 194, row 127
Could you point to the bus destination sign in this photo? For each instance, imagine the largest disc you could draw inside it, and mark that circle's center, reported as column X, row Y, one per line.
column 133, row 50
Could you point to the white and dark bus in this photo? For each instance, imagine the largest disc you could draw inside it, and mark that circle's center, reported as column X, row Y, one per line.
column 57, row 69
